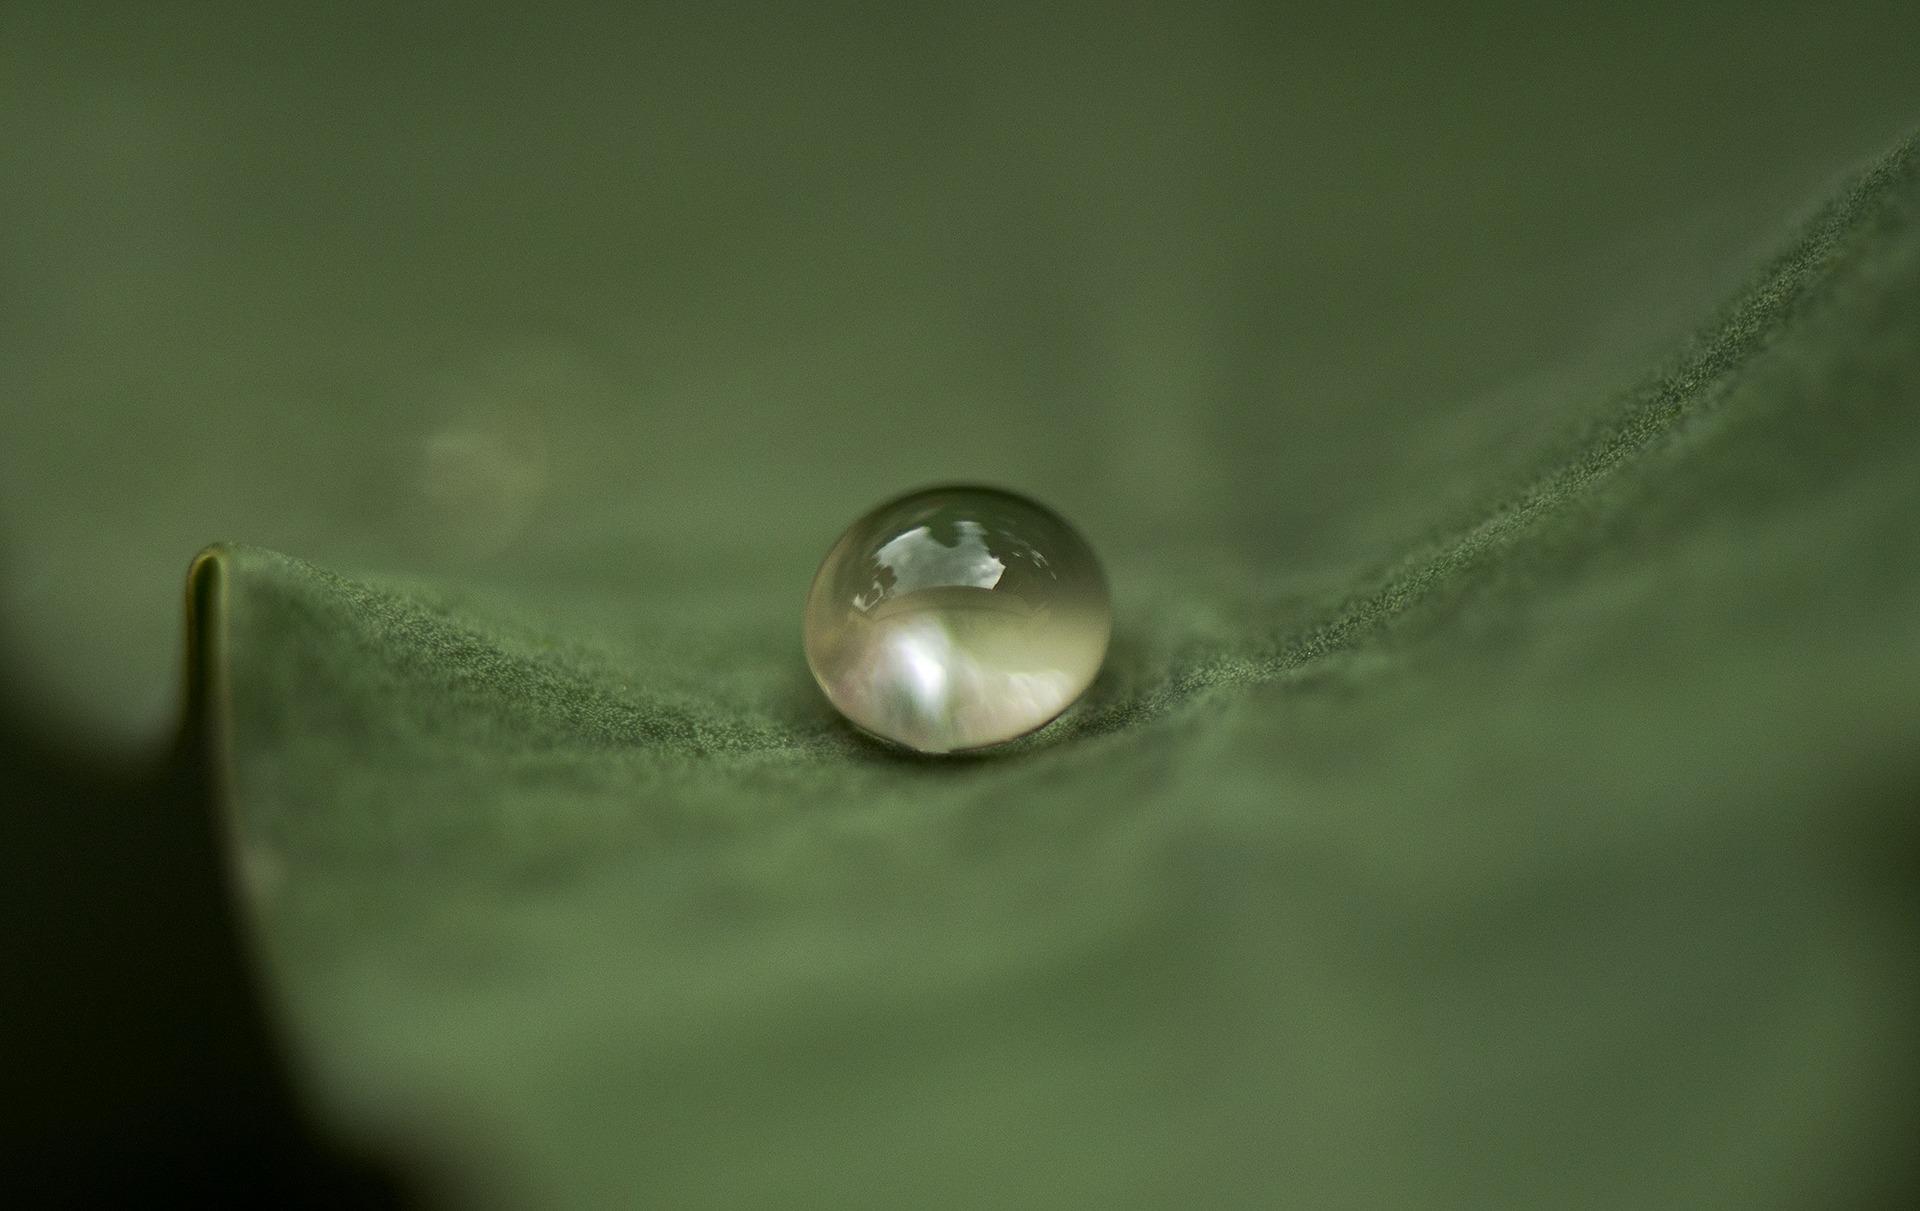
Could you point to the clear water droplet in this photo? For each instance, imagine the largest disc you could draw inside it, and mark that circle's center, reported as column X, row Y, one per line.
column 957, row 617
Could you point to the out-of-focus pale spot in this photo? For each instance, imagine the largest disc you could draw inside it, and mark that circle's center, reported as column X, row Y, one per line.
column 484, row 468
column 481, row 484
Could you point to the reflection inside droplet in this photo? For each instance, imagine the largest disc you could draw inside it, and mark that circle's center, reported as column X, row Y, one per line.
column 956, row 618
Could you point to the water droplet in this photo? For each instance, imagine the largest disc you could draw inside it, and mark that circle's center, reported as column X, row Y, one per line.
column 957, row 617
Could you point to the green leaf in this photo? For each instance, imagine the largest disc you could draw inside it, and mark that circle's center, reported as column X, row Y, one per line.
column 1547, row 861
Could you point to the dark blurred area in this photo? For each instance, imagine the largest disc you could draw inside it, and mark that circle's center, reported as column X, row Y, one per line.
column 140, row 1054
column 507, row 292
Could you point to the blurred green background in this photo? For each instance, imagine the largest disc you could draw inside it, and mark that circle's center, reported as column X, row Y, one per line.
column 497, row 289
column 573, row 335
